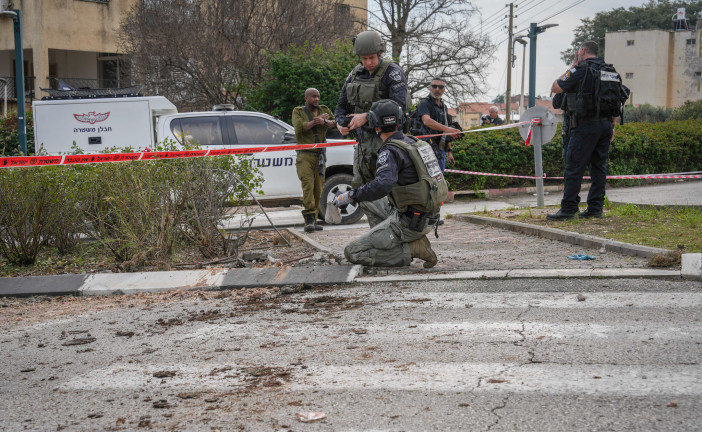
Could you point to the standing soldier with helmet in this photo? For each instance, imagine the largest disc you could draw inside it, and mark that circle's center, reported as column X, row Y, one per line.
column 374, row 79
column 593, row 99
column 409, row 175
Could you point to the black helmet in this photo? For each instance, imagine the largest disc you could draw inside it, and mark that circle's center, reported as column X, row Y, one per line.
column 367, row 43
column 386, row 114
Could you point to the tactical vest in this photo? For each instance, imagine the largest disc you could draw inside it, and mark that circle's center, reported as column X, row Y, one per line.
column 602, row 95
column 362, row 92
column 430, row 192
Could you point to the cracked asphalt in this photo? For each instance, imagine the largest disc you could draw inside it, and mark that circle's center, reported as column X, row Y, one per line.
column 485, row 355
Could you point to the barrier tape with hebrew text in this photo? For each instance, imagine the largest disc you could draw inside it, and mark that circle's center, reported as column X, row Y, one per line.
column 33, row 161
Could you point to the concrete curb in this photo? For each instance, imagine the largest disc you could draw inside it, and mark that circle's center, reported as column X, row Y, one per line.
column 130, row 283
column 692, row 266
column 526, row 274
column 306, row 239
column 565, row 236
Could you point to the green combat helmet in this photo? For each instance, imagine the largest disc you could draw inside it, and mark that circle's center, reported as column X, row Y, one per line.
column 367, row 43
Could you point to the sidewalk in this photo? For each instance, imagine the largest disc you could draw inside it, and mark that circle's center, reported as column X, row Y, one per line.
column 466, row 251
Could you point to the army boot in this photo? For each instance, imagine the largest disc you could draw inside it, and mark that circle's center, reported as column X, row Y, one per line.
column 422, row 249
column 317, row 227
column 309, row 223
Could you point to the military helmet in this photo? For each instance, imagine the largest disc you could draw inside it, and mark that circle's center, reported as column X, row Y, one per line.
column 386, row 114
column 367, row 43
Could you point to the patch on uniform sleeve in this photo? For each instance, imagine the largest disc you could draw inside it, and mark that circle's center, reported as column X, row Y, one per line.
column 395, row 76
column 382, row 158
column 567, row 74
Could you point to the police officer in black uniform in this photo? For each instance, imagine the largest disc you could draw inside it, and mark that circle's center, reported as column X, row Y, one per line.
column 590, row 135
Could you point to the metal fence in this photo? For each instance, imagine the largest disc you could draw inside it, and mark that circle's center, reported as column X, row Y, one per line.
column 9, row 85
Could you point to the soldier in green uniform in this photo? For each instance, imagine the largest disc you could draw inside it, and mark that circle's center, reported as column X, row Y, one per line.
column 311, row 122
column 374, row 79
column 409, row 175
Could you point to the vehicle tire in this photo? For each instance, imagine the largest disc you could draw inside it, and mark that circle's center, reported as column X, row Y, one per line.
column 350, row 213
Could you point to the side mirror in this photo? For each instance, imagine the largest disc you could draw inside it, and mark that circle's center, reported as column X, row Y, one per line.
column 289, row 138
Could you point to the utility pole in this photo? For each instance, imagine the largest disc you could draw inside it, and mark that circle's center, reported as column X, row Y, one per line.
column 510, row 55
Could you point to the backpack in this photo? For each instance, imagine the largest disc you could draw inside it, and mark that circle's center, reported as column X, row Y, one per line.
column 608, row 97
column 414, row 125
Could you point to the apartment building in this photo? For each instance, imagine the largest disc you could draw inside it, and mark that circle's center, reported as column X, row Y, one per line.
column 661, row 68
column 73, row 43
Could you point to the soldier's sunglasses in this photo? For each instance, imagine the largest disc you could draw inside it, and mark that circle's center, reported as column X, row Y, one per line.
column 437, row 86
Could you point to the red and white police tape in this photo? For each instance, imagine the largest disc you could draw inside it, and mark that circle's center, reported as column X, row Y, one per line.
column 34, row 161
column 690, row 175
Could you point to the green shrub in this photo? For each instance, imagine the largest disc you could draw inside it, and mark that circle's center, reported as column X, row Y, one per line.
column 138, row 211
column 9, row 135
column 690, row 110
column 27, row 205
column 638, row 148
column 646, row 113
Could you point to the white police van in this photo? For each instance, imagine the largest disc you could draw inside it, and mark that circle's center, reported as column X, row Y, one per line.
column 97, row 124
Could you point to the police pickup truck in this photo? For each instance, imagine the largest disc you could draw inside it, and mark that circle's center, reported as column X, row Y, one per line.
column 97, row 124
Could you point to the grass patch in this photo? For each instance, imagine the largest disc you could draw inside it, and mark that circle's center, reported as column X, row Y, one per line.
column 672, row 228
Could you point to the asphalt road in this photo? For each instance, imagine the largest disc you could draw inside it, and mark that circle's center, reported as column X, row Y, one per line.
column 498, row 355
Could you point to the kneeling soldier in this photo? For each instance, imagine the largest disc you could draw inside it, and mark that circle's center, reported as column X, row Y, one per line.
column 409, row 174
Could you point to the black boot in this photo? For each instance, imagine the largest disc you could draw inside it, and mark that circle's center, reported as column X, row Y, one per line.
column 309, row 223
column 589, row 213
column 560, row 215
column 317, row 227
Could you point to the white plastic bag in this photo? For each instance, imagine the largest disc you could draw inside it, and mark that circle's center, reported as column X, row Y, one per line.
column 332, row 215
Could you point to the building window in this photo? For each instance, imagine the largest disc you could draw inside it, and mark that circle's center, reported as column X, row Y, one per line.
column 629, row 75
column 630, row 43
column 690, row 41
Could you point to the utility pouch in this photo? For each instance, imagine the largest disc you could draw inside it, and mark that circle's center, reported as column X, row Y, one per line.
column 414, row 220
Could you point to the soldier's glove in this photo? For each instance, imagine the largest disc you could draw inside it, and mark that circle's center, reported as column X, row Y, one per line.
column 342, row 199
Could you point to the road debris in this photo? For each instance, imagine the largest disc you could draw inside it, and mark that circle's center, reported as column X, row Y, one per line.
column 307, row 417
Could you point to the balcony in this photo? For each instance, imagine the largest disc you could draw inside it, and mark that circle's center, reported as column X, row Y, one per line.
column 11, row 90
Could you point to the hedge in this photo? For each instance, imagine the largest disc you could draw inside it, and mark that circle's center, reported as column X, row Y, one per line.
column 638, row 148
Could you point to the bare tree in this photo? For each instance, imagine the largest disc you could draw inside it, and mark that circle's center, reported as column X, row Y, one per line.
column 432, row 38
column 200, row 53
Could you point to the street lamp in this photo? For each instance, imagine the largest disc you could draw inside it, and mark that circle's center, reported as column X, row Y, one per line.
column 19, row 78
column 521, row 40
column 534, row 30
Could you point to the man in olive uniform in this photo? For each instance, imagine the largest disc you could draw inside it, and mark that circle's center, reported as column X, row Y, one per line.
column 374, row 79
column 409, row 175
column 311, row 122
column 434, row 115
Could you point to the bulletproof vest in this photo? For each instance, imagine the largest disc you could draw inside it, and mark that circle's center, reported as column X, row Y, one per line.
column 430, row 192
column 600, row 93
column 362, row 92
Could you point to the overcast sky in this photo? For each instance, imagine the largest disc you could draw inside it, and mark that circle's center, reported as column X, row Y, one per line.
column 550, row 43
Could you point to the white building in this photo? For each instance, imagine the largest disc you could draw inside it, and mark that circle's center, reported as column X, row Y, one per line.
column 662, row 68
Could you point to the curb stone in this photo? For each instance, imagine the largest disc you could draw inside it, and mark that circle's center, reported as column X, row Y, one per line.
column 212, row 279
column 565, row 236
column 692, row 266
